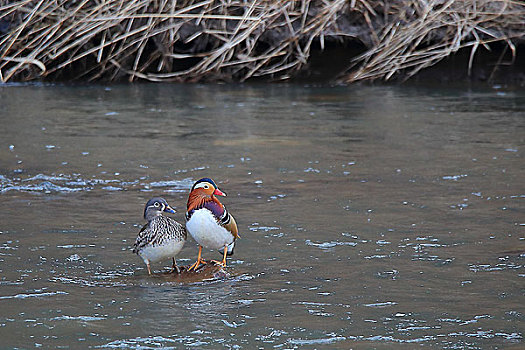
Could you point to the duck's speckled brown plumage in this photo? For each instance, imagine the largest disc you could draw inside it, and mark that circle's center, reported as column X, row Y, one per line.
column 159, row 231
column 161, row 237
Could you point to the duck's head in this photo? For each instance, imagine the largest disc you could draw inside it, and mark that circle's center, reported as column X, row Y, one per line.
column 206, row 187
column 203, row 191
column 156, row 206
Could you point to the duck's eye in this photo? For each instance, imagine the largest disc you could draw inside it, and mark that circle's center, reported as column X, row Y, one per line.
column 206, row 187
column 157, row 204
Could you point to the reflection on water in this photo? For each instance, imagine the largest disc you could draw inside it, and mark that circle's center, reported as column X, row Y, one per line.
column 369, row 216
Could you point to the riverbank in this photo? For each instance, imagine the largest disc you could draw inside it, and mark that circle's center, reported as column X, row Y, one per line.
column 208, row 41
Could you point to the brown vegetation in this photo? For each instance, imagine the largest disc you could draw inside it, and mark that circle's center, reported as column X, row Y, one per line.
column 235, row 40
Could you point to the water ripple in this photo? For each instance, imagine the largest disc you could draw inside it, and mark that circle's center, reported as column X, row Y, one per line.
column 45, row 187
column 328, row 245
column 174, row 185
column 496, row 267
column 145, row 342
column 319, row 341
column 65, row 183
column 454, row 177
column 78, row 318
column 381, row 304
column 31, row 295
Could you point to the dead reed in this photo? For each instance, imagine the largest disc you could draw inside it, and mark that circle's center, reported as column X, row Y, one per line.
column 418, row 34
column 211, row 40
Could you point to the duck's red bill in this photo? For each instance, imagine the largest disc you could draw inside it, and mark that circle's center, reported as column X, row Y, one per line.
column 218, row 192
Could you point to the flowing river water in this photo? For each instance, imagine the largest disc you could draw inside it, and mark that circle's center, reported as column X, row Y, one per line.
column 370, row 217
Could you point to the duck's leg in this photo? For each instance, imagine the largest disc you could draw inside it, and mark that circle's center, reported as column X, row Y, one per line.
column 174, row 267
column 149, row 269
column 198, row 262
column 223, row 262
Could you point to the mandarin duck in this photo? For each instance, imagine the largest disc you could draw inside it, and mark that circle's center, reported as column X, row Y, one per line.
column 161, row 237
column 208, row 221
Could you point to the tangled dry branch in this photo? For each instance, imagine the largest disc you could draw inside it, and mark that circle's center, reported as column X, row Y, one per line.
column 210, row 40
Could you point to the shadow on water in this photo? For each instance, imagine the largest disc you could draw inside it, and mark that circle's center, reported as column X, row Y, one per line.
column 383, row 217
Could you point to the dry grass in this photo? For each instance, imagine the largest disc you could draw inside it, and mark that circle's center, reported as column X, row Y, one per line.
column 210, row 40
column 418, row 34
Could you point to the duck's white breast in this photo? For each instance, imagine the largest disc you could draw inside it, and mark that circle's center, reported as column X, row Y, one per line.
column 158, row 253
column 203, row 227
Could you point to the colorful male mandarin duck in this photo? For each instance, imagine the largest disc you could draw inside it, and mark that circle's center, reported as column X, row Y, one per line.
column 208, row 221
column 161, row 237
